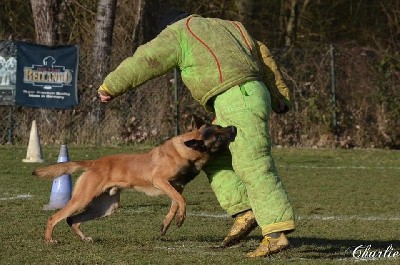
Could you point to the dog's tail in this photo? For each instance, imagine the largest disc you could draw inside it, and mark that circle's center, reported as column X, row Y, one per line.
column 59, row 169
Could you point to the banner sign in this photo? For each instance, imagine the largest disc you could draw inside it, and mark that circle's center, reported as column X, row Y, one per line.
column 8, row 69
column 46, row 76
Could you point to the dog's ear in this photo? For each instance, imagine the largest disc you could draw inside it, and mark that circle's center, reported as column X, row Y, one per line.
column 197, row 122
column 197, row 145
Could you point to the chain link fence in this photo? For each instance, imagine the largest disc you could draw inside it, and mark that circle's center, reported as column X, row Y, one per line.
column 341, row 99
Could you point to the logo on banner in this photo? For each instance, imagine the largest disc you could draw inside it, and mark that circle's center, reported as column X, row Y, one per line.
column 48, row 75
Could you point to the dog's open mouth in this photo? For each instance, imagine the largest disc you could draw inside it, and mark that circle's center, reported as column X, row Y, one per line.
column 223, row 139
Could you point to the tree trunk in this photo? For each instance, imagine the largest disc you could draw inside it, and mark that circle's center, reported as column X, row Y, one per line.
column 246, row 14
column 245, row 10
column 294, row 13
column 103, row 39
column 43, row 16
column 48, row 16
column 138, row 34
column 291, row 23
column 147, row 14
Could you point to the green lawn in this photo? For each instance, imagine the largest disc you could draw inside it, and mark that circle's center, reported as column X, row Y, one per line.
column 342, row 198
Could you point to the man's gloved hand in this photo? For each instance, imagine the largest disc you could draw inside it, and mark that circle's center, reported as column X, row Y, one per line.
column 104, row 95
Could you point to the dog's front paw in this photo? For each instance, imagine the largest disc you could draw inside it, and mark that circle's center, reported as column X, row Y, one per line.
column 164, row 228
column 179, row 219
column 51, row 241
column 87, row 239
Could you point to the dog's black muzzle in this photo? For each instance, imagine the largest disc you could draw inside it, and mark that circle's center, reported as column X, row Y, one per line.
column 232, row 132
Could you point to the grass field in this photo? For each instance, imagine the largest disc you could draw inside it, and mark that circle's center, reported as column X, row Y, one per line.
column 342, row 199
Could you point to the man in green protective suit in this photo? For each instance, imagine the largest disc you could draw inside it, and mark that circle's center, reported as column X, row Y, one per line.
column 235, row 76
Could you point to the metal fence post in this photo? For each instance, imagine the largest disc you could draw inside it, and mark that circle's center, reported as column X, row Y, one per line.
column 176, row 101
column 333, row 92
column 100, row 115
column 10, row 133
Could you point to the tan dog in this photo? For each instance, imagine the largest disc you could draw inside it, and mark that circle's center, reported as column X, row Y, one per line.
column 165, row 169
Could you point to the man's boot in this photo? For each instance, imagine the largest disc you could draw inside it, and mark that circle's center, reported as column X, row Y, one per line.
column 244, row 223
column 272, row 243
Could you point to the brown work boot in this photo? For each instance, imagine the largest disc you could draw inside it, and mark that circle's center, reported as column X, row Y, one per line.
column 270, row 246
column 244, row 223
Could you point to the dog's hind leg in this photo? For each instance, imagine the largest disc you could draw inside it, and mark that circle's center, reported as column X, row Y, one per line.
column 103, row 205
column 86, row 189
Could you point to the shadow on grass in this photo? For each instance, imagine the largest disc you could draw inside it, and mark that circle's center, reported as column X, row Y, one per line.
column 308, row 248
column 323, row 248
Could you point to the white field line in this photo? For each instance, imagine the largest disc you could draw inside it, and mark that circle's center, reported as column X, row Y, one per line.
column 299, row 217
column 225, row 216
column 200, row 250
column 337, row 167
column 348, row 218
column 205, row 250
column 19, row 196
column 315, row 217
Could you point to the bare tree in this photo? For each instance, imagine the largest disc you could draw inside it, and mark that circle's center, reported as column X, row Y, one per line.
column 48, row 16
column 392, row 13
column 105, row 19
column 43, row 16
column 245, row 10
column 148, row 13
column 138, row 31
column 103, row 39
column 294, row 10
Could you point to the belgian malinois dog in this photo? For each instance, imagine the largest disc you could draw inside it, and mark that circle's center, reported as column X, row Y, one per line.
column 165, row 169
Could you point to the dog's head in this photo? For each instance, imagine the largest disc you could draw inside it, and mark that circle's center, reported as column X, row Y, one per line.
column 11, row 64
column 212, row 138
